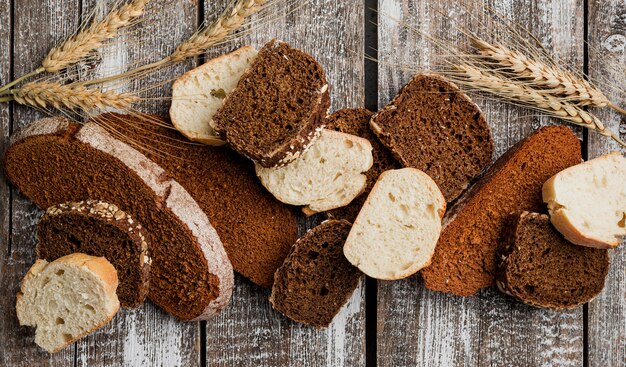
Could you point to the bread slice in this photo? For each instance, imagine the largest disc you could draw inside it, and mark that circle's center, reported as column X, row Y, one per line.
column 356, row 121
column 256, row 229
column 395, row 233
column 315, row 280
column 432, row 126
column 53, row 160
column 67, row 299
column 97, row 228
column 540, row 268
column 587, row 202
column 329, row 175
column 465, row 259
column 277, row 109
column 199, row 93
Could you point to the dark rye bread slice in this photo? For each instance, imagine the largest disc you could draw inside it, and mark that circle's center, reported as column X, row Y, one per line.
column 541, row 268
column 465, row 256
column 97, row 228
column 52, row 161
column 277, row 108
column 256, row 229
column 316, row 280
column 433, row 126
column 355, row 121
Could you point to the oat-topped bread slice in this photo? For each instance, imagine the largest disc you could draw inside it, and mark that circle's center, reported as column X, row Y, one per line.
column 433, row 126
column 539, row 267
column 465, row 258
column 316, row 280
column 356, row 121
column 256, row 229
column 102, row 229
column 278, row 107
column 52, row 161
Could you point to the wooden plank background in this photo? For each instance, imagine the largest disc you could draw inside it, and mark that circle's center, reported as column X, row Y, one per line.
column 406, row 325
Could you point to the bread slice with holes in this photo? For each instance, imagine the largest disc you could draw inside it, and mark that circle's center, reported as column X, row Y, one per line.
column 329, row 175
column 199, row 93
column 67, row 299
column 587, row 202
column 397, row 229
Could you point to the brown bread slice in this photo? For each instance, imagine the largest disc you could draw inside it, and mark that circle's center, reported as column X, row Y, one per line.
column 256, row 229
column 52, row 161
column 356, row 121
column 97, row 228
column 465, row 256
column 433, row 126
column 278, row 107
column 541, row 268
column 316, row 280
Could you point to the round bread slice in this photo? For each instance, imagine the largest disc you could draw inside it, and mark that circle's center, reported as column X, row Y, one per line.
column 395, row 233
column 67, row 299
column 97, row 228
column 433, row 126
column 540, row 268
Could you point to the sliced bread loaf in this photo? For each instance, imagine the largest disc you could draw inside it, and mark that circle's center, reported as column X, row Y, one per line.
column 52, row 161
column 67, row 299
column 316, row 280
column 432, row 126
column 278, row 107
column 587, row 202
column 465, row 259
column 199, row 93
column 540, row 268
column 329, row 175
column 356, row 121
column 395, row 233
column 97, row 228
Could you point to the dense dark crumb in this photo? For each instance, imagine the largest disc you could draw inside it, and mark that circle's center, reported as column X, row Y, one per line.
column 316, row 280
column 541, row 268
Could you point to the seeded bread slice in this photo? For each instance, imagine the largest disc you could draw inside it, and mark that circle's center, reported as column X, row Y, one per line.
column 540, row 268
column 432, row 126
column 587, row 202
column 465, row 258
column 97, row 228
column 67, row 299
column 329, row 175
column 395, row 233
column 278, row 107
column 199, row 93
column 53, row 160
column 315, row 280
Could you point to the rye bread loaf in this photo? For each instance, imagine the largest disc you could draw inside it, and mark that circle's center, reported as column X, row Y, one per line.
column 356, row 121
column 53, row 160
column 465, row 257
column 540, row 268
column 315, row 280
column 278, row 107
column 433, row 126
column 97, row 228
column 256, row 229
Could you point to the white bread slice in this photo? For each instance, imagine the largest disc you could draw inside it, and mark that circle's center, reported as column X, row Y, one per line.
column 587, row 202
column 397, row 229
column 67, row 299
column 328, row 175
column 199, row 93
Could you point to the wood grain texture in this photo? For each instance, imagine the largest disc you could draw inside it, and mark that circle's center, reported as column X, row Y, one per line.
column 416, row 326
column 607, row 60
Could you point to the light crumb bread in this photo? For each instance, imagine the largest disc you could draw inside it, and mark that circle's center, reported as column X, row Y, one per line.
column 587, row 202
column 199, row 93
column 396, row 232
column 67, row 299
column 329, row 175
